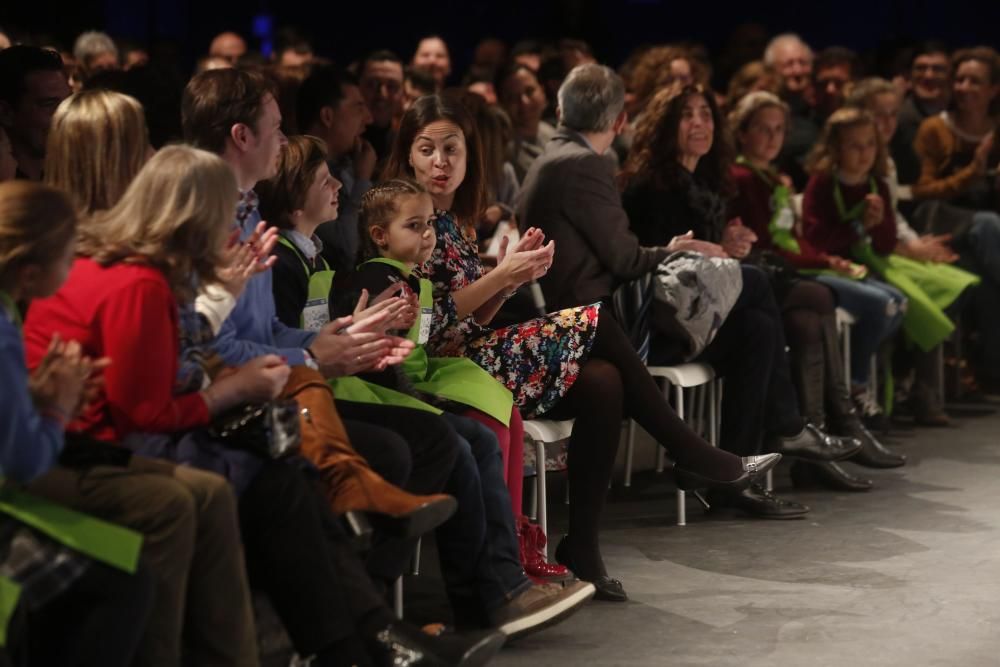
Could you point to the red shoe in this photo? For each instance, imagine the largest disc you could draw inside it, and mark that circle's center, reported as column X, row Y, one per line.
column 532, row 541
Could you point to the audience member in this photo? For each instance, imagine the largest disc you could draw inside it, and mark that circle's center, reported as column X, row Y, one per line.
column 112, row 127
column 95, row 51
column 834, row 69
column 432, row 55
column 58, row 562
column 32, row 84
column 227, row 46
column 417, row 82
column 928, row 95
column 793, row 60
column 528, row 52
column 291, row 49
column 523, row 98
column 381, row 81
column 331, row 107
column 847, row 211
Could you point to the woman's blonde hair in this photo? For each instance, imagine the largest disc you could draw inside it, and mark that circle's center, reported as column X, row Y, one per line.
column 96, row 145
column 823, row 158
column 37, row 222
column 176, row 215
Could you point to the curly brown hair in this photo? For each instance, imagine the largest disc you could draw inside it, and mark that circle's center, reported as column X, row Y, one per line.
column 655, row 150
column 652, row 71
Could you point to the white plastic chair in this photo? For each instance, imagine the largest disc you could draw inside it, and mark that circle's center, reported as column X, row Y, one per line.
column 543, row 431
column 700, row 378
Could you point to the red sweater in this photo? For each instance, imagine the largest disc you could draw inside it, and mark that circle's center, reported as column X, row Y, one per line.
column 752, row 204
column 822, row 223
column 126, row 312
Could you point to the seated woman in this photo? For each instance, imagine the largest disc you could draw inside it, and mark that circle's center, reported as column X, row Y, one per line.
column 139, row 262
column 676, row 183
column 574, row 364
column 523, row 98
column 847, row 212
column 763, row 203
column 73, row 577
column 297, row 199
column 959, row 156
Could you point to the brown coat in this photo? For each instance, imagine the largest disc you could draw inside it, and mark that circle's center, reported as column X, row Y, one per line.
column 936, row 146
column 570, row 194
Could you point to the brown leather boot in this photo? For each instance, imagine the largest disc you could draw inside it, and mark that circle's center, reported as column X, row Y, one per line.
column 350, row 484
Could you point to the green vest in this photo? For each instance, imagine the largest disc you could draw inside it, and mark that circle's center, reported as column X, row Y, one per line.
column 317, row 309
column 456, row 379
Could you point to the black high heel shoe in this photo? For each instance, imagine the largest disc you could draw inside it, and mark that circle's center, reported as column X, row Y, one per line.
column 608, row 589
column 753, row 467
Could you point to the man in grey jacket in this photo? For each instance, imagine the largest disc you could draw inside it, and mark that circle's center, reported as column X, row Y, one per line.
column 570, row 194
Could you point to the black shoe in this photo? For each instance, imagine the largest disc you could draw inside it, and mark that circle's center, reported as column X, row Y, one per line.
column 759, row 502
column 402, row 644
column 829, row 475
column 606, row 588
column 873, row 454
column 753, row 467
column 814, row 445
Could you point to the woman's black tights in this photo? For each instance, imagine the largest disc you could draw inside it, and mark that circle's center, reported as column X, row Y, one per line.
column 612, row 384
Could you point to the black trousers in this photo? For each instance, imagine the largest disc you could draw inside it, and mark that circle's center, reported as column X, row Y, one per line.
column 749, row 352
column 413, row 449
column 297, row 553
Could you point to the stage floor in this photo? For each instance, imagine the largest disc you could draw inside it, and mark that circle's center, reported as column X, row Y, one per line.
column 906, row 574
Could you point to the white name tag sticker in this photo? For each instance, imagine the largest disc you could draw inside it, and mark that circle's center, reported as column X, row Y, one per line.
column 425, row 325
column 316, row 314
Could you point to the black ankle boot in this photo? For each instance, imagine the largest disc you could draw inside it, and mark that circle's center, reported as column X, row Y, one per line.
column 843, row 416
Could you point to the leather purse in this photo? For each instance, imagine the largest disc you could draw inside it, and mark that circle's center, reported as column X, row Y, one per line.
column 268, row 429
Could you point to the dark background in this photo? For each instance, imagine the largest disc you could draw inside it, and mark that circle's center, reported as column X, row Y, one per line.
column 181, row 29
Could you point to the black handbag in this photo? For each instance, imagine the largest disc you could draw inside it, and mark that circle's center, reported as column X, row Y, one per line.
column 269, row 429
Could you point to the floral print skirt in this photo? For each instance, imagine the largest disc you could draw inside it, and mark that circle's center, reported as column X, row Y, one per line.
column 538, row 360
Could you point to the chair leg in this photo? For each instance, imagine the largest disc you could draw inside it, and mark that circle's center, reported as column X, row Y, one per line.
column 397, row 597
column 713, row 414
column 533, row 502
column 540, row 486
column 769, row 480
column 416, row 558
column 629, row 452
column 681, row 508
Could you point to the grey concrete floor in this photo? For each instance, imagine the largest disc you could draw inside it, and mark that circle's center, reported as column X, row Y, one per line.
column 907, row 574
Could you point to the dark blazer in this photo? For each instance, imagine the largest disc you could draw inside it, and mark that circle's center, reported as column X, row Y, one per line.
column 570, row 194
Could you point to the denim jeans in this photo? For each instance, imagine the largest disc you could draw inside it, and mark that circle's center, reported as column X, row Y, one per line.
column 877, row 309
column 478, row 547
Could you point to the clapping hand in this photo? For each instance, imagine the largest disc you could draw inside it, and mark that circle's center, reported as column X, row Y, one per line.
column 874, row 209
column 528, row 260
column 242, row 261
column 66, row 380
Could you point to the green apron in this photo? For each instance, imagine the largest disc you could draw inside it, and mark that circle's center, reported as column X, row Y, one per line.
column 316, row 314
column 456, row 379
column 317, row 310
column 929, row 287
column 102, row 541
column 782, row 224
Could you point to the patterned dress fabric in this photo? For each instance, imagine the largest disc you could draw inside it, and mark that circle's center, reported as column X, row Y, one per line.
column 538, row 360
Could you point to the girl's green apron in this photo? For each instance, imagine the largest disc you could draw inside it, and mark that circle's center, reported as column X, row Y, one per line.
column 782, row 224
column 930, row 287
column 105, row 542
column 316, row 314
column 456, row 379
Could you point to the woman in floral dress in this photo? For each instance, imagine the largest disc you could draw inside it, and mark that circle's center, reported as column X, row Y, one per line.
column 573, row 364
